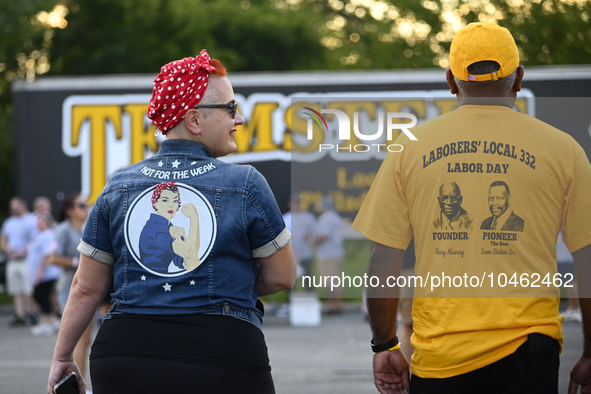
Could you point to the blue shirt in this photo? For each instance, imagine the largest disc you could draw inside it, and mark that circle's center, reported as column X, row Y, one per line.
column 156, row 245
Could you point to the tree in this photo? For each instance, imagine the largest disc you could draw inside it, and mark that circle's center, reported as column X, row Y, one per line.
column 408, row 33
column 24, row 42
column 139, row 36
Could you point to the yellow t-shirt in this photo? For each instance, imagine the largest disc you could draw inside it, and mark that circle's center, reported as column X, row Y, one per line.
column 484, row 191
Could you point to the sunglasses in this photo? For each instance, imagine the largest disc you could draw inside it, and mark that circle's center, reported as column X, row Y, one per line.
column 81, row 205
column 231, row 107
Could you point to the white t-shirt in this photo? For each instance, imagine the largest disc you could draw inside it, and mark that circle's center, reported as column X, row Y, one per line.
column 37, row 250
column 562, row 253
column 302, row 230
column 19, row 230
column 330, row 225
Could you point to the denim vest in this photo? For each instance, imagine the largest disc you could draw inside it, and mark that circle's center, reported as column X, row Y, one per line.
column 182, row 231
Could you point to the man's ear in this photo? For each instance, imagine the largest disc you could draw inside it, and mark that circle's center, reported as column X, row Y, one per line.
column 192, row 121
column 451, row 82
column 518, row 78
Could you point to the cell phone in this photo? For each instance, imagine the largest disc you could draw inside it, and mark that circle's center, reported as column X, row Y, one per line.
column 68, row 385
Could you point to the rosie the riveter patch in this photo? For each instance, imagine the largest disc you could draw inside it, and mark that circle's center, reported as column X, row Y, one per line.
column 170, row 229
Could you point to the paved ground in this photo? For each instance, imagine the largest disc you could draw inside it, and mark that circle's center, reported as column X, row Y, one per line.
column 332, row 358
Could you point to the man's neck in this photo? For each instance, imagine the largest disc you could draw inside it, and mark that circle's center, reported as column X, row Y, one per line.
column 499, row 101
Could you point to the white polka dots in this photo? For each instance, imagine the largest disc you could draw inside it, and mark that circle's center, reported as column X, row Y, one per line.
column 184, row 74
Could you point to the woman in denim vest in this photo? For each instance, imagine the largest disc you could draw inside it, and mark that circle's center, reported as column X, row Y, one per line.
column 191, row 242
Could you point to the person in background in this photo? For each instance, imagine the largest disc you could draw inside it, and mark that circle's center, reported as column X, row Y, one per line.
column 17, row 231
column 566, row 268
column 301, row 224
column 330, row 250
column 64, row 253
column 41, row 204
column 43, row 275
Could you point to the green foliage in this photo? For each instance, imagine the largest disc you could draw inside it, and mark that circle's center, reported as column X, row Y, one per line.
column 552, row 32
column 261, row 38
column 125, row 36
column 139, row 36
column 408, row 34
column 23, row 43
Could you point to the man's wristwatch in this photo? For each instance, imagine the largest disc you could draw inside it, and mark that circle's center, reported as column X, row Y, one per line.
column 380, row 347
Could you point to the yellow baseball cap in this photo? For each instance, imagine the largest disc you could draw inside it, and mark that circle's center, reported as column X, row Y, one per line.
column 479, row 42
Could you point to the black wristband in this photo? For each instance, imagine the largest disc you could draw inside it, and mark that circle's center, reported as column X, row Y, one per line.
column 380, row 347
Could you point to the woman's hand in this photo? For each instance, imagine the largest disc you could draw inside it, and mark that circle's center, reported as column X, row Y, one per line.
column 60, row 369
column 177, row 232
column 190, row 211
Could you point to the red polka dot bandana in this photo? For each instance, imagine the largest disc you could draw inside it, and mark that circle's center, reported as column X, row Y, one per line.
column 179, row 87
column 158, row 190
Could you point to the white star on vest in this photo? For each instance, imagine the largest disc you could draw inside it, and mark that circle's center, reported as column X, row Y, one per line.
column 143, row 277
column 192, row 283
column 167, row 287
column 175, row 164
column 160, row 163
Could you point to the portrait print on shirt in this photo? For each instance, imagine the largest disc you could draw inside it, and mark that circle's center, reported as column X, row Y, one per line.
column 170, row 229
column 499, row 204
column 452, row 216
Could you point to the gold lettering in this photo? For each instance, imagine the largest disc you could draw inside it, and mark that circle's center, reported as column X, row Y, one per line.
column 298, row 125
column 346, row 202
column 360, row 180
column 259, row 125
column 342, row 182
column 308, row 198
column 98, row 116
column 350, row 108
column 419, row 108
column 363, row 180
column 140, row 137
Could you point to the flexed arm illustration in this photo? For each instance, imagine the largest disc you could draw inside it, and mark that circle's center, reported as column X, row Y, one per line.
column 187, row 246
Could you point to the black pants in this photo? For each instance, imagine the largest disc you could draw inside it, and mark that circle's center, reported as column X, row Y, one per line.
column 129, row 375
column 42, row 294
column 532, row 369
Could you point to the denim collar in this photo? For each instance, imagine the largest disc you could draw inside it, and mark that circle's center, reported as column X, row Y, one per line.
column 187, row 147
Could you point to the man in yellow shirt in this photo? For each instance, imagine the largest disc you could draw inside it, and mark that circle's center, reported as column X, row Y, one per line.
column 474, row 333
